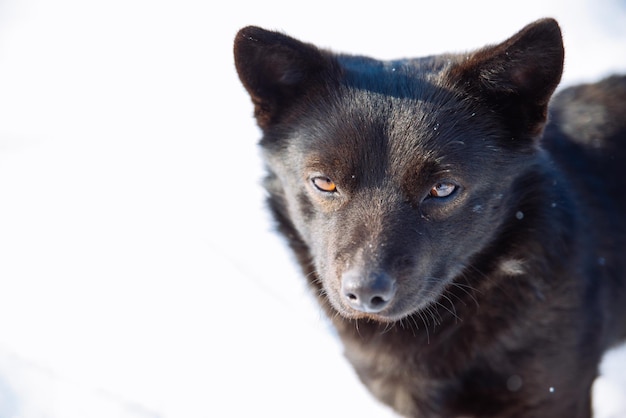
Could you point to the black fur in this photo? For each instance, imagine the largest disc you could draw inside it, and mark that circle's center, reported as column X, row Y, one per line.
column 470, row 257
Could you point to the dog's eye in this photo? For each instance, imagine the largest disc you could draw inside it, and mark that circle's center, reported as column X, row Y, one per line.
column 442, row 190
column 324, row 184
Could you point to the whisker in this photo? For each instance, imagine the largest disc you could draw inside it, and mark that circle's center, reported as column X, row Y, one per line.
column 468, row 291
column 453, row 308
column 412, row 323
column 437, row 320
column 425, row 326
column 388, row 327
column 356, row 324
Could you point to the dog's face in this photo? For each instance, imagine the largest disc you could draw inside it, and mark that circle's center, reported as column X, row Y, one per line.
column 395, row 175
column 393, row 196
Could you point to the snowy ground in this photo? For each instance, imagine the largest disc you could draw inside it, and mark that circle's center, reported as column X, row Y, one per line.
column 139, row 276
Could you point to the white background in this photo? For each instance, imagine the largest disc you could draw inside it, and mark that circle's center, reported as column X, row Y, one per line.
column 139, row 274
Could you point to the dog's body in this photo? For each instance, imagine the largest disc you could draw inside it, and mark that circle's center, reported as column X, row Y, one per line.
column 471, row 257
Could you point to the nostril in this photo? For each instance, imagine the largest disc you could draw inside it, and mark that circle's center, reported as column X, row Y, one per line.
column 377, row 301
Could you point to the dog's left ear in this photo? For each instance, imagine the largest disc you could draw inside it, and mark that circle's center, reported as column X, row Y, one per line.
column 517, row 77
column 276, row 69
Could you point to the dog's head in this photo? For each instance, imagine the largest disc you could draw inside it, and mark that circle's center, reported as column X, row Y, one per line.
column 396, row 174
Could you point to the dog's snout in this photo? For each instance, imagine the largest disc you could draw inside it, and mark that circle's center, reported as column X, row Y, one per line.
column 367, row 292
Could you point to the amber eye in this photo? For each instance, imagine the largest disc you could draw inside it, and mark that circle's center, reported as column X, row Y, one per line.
column 324, row 184
column 442, row 190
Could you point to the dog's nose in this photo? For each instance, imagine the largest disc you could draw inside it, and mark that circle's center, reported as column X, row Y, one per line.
column 370, row 292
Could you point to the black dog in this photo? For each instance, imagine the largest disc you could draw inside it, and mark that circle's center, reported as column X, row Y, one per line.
column 471, row 256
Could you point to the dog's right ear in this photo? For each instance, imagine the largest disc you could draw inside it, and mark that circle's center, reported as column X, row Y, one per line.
column 275, row 69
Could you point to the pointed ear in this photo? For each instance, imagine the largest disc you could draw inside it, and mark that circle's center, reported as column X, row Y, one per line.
column 276, row 69
column 517, row 77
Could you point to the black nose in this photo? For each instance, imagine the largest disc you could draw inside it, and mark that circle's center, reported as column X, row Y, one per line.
column 369, row 292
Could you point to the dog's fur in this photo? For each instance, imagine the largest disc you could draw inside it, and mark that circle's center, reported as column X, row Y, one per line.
column 471, row 257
